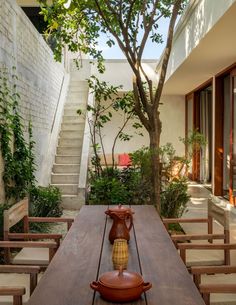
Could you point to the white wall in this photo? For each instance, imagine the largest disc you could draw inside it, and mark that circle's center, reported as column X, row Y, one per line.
column 172, row 114
column 172, row 111
column 198, row 20
column 39, row 77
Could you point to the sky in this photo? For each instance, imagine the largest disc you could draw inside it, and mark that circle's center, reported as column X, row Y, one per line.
column 152, row 51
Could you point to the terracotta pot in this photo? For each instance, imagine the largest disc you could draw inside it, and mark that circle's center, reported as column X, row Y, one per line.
column 120, row 286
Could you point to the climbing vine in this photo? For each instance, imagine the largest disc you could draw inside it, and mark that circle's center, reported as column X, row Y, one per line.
column 17, row 153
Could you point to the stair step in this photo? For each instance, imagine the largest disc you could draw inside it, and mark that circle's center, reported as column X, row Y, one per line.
column 67, row 189
column 68, row 150
column 62, row 159
column 69, row 106
column 71, row 111
column 71, row 202
column 73, row 119
column 65, row 178
column 80, row 96
column 70, row 142
column 71, row 134
column 72, row 126
column 66, row 168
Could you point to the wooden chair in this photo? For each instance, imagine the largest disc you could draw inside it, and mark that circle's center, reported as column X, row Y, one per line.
column 216, row 213
column 221, row 286
column 19, row 212
column 18, row 291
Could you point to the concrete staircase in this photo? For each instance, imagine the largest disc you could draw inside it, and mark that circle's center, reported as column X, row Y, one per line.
column 65, row 171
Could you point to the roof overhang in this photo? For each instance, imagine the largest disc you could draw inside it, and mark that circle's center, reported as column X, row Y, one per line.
column 215, row 52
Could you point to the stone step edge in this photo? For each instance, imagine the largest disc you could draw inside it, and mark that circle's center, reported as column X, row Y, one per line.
column 74, row 164
column 58, row 184
column 67, row 156
column 65, row 174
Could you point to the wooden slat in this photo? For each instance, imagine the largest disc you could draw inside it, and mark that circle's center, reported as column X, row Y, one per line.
column 28, row 244
column 213, row 269
column 193, row 246
column 17, row 212
column 34, row 236
column 67, row 279
column 218, row 213
column 50, row 219
column 161, row 264
column 184, row 220
column 218, row 288
column 106, row 263
column 5, row 290
column 19, row 269
column 197, row 237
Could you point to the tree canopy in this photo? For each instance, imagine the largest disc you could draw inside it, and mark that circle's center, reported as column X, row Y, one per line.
column 129, row 23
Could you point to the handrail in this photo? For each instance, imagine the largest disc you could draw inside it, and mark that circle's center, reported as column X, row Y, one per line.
column 59, row 97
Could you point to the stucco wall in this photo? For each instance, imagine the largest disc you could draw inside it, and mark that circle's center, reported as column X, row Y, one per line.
column 39, row 77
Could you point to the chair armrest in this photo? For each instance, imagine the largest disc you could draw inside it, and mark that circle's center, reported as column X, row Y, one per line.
column 28, row 244
column 33, row 271
column 15, row 291
column 52, row 246
column 197, row 271
column 185, row 237
column 217, row 288
column 34, row 236
column 185, row 246
column 69, row 221
column 167, row 221
column 191, row 246
column 19, row 269
column 183, row 220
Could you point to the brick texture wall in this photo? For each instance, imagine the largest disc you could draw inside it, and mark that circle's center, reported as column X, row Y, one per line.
column 39, row 77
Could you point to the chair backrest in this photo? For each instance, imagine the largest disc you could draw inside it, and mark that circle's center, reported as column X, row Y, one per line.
column 16, row 213
column 218, row 213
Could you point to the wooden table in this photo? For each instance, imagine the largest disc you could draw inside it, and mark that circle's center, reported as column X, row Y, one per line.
column 86, row 253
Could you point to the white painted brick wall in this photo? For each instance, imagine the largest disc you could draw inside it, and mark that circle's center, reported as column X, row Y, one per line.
column 39, row 76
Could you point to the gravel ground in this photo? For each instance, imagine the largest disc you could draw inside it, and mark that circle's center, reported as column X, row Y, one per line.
column 61, row 228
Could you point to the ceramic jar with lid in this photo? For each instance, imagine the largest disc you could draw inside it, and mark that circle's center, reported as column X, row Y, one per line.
column 120, row 286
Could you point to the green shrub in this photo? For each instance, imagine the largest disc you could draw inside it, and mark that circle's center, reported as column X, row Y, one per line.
column 45, row 201
column 107, row 190
column 174, row 199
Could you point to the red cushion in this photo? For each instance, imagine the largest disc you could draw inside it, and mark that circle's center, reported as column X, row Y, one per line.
column 124, row 160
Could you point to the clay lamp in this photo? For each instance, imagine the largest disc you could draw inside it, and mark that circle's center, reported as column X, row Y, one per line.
column 120, row 286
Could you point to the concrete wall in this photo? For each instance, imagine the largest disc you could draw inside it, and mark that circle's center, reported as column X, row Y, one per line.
column 199, row 18
column 40, row 79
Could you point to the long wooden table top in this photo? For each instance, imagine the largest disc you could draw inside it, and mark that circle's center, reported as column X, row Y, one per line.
column 85, row 254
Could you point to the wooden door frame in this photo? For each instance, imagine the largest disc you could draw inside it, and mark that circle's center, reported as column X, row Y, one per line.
column 232, row 123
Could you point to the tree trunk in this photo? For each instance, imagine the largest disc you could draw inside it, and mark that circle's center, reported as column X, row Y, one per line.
column 154, row 135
